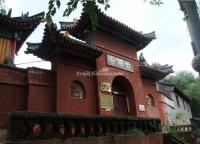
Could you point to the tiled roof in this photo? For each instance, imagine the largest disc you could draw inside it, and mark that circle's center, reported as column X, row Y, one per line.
column 155, row 73
column 56, row 42
column 109, row 25
column 19, row 27
column 172, row 88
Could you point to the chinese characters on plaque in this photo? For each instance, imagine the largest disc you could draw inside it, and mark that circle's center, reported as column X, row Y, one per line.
column 105, row 87
column 106, row 101
column 119, row 63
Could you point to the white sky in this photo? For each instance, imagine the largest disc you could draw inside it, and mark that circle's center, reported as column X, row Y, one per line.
column 172, row 45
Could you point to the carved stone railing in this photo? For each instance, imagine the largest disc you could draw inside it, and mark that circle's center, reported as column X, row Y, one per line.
column 41, row 126
column 183, row 128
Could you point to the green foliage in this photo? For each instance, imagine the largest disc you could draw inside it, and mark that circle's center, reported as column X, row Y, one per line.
column 88, row 7
column 2, row 11
column 179, row 115
column 2, row 8
column 135, row 131
column 173, row 131
column 195, row 105
column 193, row 88
column 190, row 86
column 53, row 6
column 71, row 5
column 181, row 79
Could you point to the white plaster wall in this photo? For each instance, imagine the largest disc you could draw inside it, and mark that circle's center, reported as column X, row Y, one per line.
column 173, row 109
column 185, row 118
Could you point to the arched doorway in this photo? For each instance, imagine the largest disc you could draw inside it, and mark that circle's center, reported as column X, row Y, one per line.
column 123, row 97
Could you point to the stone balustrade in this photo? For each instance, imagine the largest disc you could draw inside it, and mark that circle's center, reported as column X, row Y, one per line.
column 26, row 126
column 183, row 128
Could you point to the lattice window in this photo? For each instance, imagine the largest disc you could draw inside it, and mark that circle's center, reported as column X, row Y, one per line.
column 150, row 101
column 77, row 90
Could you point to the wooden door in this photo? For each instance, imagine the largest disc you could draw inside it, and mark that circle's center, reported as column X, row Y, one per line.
column 120, row 105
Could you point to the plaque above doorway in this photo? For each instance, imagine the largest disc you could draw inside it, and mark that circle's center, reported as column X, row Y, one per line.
column 119, row 63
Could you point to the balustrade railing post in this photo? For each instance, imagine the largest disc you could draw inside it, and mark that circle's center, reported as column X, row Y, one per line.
column 98, row 129
column 36, row 126
column 122, row 127
column 146, row 131
column 82, row 131
column 91, row 129
column 107, row 127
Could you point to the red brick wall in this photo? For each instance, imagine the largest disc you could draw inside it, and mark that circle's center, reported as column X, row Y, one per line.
column 12, row 98
column 149, row 87
column 124, row 50
column 25, row 90
column 13, row 92
column 41, row 95
column 66, row 73
column 41, row 99
column 114, row 45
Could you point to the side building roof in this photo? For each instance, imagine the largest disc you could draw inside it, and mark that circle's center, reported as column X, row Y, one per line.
column 19, row 28
column 167, row 87
column 55, row 42
column 109, row 25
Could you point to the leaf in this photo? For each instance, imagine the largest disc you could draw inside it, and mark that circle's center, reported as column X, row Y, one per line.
column 51, row 1
column 64, row 13
column 107, row 6
column 101, row 1
column 51, row 6
column 67, row 12
column 70, row 2
column 90, row 9
column 58, row 3
column 74, row 6
column 48, row 17
column 53, row 11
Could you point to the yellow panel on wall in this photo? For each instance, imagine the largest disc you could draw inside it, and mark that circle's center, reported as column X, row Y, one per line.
column 7, row 52
column 5, row 48
column 106, row 101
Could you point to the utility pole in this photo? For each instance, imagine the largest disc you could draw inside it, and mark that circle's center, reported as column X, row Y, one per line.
column 190, row 9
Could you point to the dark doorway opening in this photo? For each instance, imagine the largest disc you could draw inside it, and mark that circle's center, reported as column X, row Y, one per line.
column 123, row 97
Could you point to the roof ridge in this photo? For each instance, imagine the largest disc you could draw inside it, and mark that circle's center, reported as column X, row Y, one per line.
column 61, row 42
column 39, row 15
column 125, row 25
column 74, row 39
column 145, row 35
